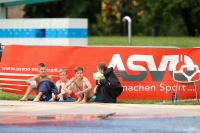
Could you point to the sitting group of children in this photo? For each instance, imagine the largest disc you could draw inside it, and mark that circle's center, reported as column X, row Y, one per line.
column 46, row 90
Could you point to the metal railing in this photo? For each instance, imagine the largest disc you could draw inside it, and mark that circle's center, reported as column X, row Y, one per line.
column 129, row 29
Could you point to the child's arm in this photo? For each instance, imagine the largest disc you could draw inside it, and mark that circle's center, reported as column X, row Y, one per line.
column 66, row 86
column 89, row 87
column 113, row 83
column 29, row 81
column 69, row 83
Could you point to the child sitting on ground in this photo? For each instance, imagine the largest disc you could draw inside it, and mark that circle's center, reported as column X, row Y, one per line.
column 40, row 79
column 61, row 85
column 80, row 86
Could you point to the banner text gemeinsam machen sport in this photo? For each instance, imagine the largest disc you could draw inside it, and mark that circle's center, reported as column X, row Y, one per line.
column 145, row 73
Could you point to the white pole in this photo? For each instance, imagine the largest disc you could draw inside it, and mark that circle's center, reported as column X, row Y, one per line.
column 129, row 29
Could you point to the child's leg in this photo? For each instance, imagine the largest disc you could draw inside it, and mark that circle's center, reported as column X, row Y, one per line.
column 36, row 90
column 59, row 87
column 87, row 95
column 68, row 92
column 53, row 96
column 37, row 98
column 64, row 93
column 28, row 91
column 73, row 87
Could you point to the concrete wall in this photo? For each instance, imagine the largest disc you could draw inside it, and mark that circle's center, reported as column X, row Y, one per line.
column 61, row 31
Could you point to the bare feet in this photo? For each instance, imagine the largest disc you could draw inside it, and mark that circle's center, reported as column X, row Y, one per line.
column 23, row 99
column 59, row 96
column 36, row 100
column 79, row 99
column 83, row 101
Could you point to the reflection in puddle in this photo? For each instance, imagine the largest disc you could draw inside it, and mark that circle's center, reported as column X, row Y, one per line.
column 84, row 123
column 20, row 119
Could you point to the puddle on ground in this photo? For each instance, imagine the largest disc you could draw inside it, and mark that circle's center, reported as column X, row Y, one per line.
column 20, row 119
column 101, row 123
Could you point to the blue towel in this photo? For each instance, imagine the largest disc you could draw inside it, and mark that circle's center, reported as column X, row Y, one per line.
column 48, row 88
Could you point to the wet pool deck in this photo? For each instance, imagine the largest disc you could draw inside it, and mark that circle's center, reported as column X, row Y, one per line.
column 32, row 117
column 132, row 110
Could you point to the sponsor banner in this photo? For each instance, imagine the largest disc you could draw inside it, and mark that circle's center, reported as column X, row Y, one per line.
column 145, row 73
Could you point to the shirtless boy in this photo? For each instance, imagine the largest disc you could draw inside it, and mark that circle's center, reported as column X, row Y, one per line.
column 80, row 85
column 32, row 83
column 62, row 83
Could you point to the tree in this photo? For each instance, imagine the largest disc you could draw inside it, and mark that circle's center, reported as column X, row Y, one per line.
column 102, row 20
column 115, row 10
column 130, row 8
column 65, row 9
column 173, row 16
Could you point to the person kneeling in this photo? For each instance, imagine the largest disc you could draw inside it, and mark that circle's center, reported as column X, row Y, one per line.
column 108, row 89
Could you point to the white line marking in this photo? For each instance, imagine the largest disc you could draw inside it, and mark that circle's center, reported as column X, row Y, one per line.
column 9, row 79
column 12, row 84
column 11, row 89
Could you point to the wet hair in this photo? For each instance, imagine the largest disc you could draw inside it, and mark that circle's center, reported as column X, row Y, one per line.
column 78, row 68
column 41, row 65
column 102, row 66
column 63, row 70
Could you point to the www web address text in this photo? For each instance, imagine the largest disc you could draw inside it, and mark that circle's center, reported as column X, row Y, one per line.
column 34, row 69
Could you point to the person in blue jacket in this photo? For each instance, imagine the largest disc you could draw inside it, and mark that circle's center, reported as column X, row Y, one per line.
column 108, row 89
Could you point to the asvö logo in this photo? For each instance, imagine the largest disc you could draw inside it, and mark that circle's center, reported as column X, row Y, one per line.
column 157, row 73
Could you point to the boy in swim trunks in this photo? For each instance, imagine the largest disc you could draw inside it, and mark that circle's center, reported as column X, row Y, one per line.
column 62, row 83
column 80, row 86
column 32, row 82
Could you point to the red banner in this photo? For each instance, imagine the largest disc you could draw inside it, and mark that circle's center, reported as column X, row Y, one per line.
column 145, row 73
